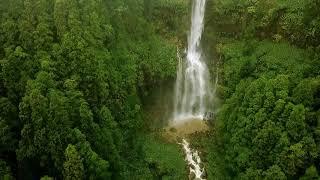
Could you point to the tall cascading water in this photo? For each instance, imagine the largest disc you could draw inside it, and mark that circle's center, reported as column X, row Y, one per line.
column 192, row 91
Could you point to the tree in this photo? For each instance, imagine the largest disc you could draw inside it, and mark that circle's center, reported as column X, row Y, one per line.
column 8, row 122
column 296, row 123
column 60, row 17
column 274, row 172
column 268, row 124
column 73, row 167
column 311, row 173
column 5, row 171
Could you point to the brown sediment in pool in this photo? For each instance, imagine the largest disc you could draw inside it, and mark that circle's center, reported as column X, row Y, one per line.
column 177, row 131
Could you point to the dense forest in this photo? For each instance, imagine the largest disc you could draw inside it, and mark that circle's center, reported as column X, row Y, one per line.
column 268, row 54
column 75, row 75
column 72, row 76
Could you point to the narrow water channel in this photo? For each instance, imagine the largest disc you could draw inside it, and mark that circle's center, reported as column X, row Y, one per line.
column 193, row 159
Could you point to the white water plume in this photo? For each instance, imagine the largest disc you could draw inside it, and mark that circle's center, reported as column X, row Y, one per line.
column 192, row 93
column 194, row 161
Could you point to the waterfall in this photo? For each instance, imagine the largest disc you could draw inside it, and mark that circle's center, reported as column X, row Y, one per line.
column 192, row 90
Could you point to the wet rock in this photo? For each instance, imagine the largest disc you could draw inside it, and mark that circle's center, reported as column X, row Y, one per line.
column 201, row 165
column 194, row 158
column 204, row 175
column 192, row 176
column 192, row 166
column 179, row 139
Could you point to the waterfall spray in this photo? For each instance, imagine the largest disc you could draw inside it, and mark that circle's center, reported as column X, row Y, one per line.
column 192, row 91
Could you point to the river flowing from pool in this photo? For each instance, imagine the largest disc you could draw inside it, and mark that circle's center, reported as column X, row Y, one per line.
column 194, row 162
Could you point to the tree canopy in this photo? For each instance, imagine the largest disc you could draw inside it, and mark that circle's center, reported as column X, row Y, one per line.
column 267, row 53
column 72, row 74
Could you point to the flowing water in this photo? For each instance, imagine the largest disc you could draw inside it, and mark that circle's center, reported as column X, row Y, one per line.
column 194, row 161
column 192, row 91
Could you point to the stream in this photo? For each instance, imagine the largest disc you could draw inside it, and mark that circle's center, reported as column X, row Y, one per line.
column 194, row 162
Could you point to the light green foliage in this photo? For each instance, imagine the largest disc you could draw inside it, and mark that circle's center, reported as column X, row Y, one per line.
column 71, row 72
column 165, row 160
column 94, row 166
column 294, row 20
column 73, row 167
column 274, row 172
column 75, row 72
column 268, row 54
column 169, row 16
column 268, row 119
column 311, row 173
column 208, row 144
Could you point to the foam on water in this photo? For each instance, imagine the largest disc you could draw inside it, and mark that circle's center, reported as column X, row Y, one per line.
column 194, row 161
column 192, row 90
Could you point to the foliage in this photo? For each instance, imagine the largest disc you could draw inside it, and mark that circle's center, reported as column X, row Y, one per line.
column 167, row 15
column 5, row 171
column 166, row 160
column 269, row 120
column 71, row 75
column 73, row 167
column 267, row 53
column 294, row 20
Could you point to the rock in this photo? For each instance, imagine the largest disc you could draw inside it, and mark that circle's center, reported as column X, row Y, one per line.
column 192, row 176
column 208, row 116
column 201, row 165
column 174, row 130
column 192, row 166
column 194, row 158
column 204, row 174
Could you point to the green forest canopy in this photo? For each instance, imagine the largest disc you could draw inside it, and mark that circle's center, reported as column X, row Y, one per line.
column 268, row 53
column 73, row 75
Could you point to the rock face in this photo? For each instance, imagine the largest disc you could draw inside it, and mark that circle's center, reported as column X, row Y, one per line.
column 204, row 175
column 192, row 176
column 208, row 116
